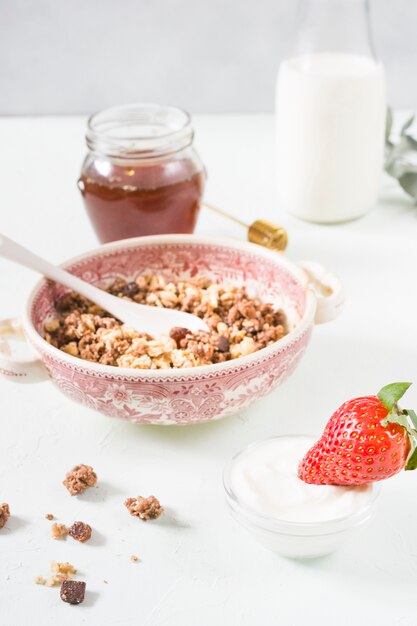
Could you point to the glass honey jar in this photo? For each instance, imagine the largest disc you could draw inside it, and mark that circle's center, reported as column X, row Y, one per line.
column 141, row 175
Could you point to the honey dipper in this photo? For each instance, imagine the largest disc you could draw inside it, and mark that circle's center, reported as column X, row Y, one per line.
column 262, row 232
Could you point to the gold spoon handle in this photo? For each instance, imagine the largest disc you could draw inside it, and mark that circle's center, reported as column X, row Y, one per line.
column 224, row 214
column 262, row 232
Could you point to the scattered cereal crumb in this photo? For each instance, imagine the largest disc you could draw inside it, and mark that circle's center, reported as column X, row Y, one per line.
column 39, row 580
column 72, row 591
column 58, row 530
column 63, row 568
column 55, row 580
column 134, row 558
column 4, row 514
column 49, row 516
column 79, row 479
column 145, row 508
column 60, row 573
column 80, row 531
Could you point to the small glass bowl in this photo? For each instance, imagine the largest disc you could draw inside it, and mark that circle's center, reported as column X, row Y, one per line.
column 297, row 540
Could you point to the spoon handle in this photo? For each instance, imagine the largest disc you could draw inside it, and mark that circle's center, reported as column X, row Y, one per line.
column 13, row 251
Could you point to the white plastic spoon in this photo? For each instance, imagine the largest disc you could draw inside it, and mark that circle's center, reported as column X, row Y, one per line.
column 153, row 320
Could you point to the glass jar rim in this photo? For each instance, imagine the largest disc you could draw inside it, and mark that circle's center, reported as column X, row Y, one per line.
column 142, row 130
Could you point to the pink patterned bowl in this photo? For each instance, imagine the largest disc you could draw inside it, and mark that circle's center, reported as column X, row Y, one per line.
column 190, row 395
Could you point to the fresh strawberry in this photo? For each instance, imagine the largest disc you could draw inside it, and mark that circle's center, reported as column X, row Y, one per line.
column 366, row 439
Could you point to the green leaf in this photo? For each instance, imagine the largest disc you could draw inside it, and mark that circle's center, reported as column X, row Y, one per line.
column 390, row 394
column 396, row 167
column 412, row 460
column 408, row 182
column 407, row 124
column 388, row 125
column 412, row 418
column 397, row 159
column 400, row 155
column 412, row 142
column 411, row 463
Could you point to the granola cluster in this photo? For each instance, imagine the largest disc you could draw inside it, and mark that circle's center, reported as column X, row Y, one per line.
column 58, row 531
column 145, row 508
column 79, row 479
column 4, row 514
column 80, row 531
column 239, row 325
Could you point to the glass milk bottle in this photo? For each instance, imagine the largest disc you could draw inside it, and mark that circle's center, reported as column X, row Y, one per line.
column 330, row 114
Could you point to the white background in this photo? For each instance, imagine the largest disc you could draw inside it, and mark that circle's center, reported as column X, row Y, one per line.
column 198, row 568
column 77, row 56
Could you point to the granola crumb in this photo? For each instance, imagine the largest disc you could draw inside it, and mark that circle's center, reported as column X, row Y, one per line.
column 80, row 531
column 134, row 558
column 56, row 580
column 60, row 573
column 49, row 516
column 79, row 479
column 39, row 580
column 59, row 531
column 145, row 508
column 63, row 568
column 4, row 514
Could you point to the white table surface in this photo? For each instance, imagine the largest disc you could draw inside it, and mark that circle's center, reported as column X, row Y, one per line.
column 198, row 568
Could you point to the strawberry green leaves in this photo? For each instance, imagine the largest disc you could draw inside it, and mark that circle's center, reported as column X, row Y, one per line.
column 412, row 434
column 390, row 394
column 412, row 460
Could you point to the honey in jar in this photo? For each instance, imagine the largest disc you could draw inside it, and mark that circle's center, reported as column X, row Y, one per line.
column 142, row 175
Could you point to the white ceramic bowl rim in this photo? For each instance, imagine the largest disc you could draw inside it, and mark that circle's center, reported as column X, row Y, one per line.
column 273, row 524
column 214, row 368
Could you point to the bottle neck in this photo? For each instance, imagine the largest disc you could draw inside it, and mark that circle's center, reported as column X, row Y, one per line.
column 139, row 131
column 334, row 26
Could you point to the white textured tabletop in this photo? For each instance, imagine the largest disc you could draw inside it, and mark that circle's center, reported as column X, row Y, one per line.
column 197, row 567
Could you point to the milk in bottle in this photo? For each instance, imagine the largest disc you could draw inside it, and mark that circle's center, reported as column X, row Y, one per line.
column 330, row 118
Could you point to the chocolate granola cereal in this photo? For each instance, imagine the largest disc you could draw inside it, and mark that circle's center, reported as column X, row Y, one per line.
column 73, row 591
column 80, row 531
column 145, row 508
column 4, row 514
column 239, row 325
column 79, row 479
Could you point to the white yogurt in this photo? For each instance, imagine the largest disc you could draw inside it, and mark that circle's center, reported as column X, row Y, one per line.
column 330, row 121
column 264, row 479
